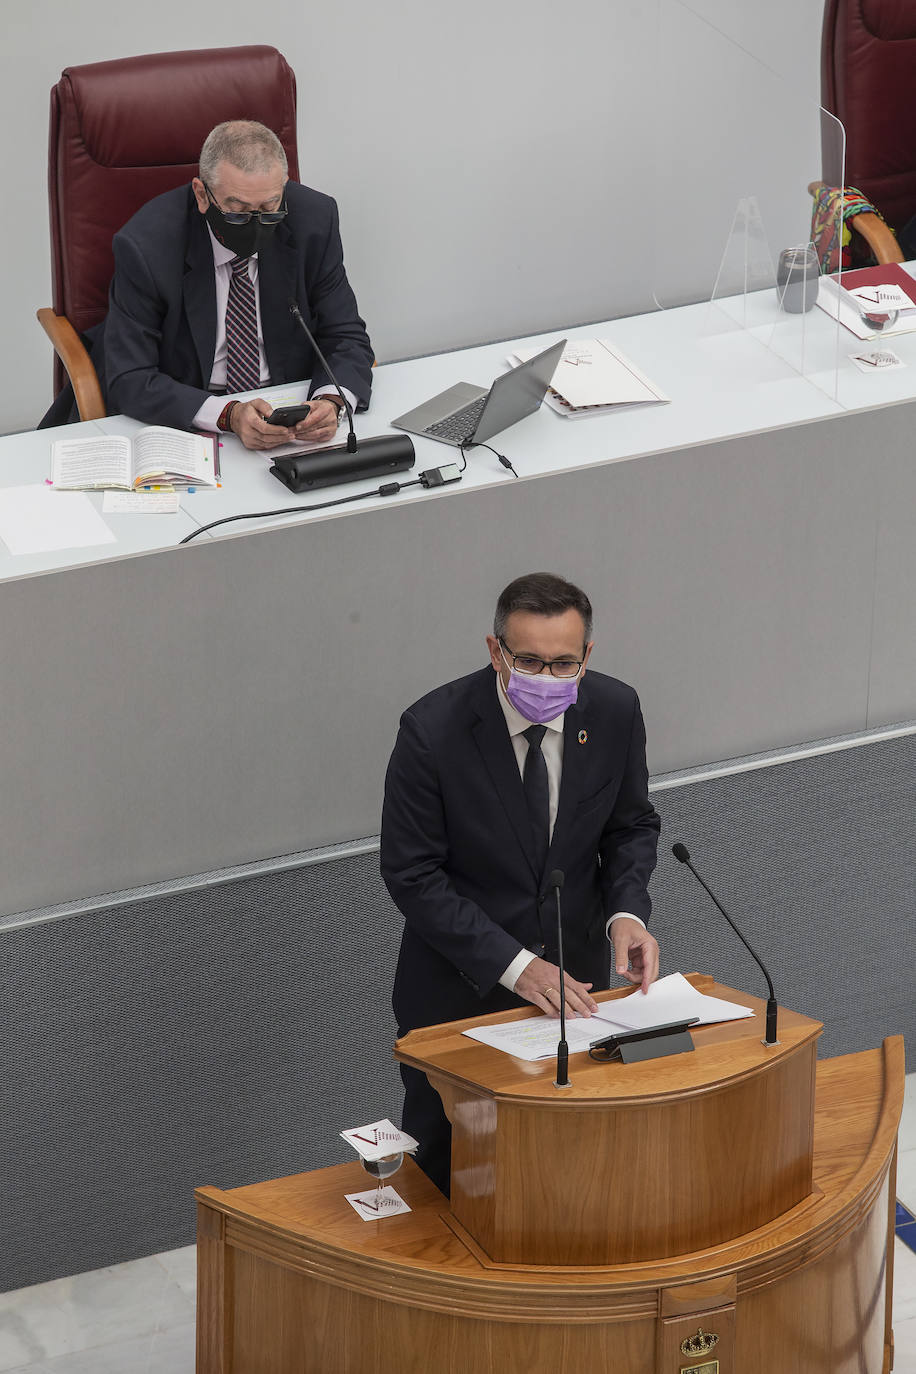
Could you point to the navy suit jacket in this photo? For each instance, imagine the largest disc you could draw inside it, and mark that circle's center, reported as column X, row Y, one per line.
column 457, row 853
column 154, row 351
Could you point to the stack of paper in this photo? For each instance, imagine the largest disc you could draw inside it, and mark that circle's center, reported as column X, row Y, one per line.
column 871, row 301
column 594, row 377
column 670, row 999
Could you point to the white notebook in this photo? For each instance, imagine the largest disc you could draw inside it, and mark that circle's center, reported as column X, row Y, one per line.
column 594, row 376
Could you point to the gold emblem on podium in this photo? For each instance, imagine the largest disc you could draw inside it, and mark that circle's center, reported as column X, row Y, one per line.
column 695, row 1347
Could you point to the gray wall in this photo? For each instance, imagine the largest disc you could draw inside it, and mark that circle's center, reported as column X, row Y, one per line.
column 566, row 133
column 238, row 698
column 226, row 1033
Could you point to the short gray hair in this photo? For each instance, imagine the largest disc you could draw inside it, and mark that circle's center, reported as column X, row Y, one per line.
column 243, row 143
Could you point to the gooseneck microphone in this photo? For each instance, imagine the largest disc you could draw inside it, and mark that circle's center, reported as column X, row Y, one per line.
column 682, row 854
column 554, row 883
column 341, row 462
column 297, row 316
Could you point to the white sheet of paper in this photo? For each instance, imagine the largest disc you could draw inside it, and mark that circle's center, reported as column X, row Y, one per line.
column 877, row 360
column 377, row 1204
column 669, row 999
column 673, row 999
column 140, row 503
column 884, row 297
column 592, row 372
column 286, row 450
column 36, row 519
column 379, row 1139
column 537, row 1036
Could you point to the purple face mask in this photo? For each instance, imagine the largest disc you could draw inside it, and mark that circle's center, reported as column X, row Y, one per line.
column 540, row 697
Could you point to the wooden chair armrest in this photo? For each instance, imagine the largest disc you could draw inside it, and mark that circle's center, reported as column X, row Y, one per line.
column 882, row 242
column 73, row 355
column 879, row 238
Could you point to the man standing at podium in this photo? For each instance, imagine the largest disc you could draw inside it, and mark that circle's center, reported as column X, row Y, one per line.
column 496, row 780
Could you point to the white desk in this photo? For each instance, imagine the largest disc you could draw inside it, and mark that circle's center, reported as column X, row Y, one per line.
column 26, row 459
column 724, row 382
column 182, row 709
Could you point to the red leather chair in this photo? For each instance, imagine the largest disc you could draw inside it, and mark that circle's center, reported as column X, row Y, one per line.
column 868, row 74
column 122, row 132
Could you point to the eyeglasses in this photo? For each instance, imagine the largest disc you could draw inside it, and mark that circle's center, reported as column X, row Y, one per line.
column 245, row 217
column 530, row 666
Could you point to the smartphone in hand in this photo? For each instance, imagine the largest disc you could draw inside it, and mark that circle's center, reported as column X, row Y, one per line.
column 288, row 415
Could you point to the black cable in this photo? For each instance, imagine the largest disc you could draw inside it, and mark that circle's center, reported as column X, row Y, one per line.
column 501, row 456
column 387, row 489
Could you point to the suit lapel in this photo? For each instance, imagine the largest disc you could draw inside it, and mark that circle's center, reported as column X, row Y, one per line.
column 276, row 283
column 576, row 760
column 199, row 290
column 492, row 739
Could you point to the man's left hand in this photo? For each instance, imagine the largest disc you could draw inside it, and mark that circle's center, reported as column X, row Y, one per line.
column 320, row 424
column 635, row 952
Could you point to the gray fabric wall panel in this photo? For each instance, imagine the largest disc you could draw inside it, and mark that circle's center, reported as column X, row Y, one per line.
column 733, row 582
column 892, row 670
column 220, row 1036
column 815, row 861
column 189, row 1038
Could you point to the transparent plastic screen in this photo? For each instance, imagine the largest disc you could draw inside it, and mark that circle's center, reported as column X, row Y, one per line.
column 740, row 156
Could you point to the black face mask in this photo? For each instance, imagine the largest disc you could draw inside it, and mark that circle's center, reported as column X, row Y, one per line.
column 244, row 240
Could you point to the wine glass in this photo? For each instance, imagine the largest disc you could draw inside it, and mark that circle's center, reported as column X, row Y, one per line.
column 384, row 1168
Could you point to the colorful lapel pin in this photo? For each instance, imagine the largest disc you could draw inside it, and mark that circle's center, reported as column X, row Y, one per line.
column 583, row 736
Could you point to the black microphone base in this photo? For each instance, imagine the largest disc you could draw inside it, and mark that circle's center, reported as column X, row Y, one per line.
column 771, row 1034
column 562, row 1079
column 326, row 467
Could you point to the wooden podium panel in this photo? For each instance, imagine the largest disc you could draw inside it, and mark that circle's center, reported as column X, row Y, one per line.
column 632, row 1161
column 292, row 1281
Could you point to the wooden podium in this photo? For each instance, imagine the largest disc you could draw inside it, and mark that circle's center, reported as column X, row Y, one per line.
column 726, row 1211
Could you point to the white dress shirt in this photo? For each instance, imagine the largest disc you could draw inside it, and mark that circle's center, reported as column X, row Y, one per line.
column 552, row 749
column 213, row 407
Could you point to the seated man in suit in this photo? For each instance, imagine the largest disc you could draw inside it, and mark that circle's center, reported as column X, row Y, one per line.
column 523, row 767
column 199, row 303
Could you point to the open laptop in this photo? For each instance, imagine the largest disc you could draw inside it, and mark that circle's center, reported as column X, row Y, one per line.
column 466, row 414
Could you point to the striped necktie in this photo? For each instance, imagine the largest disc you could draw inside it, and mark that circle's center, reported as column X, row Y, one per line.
column 243, row 368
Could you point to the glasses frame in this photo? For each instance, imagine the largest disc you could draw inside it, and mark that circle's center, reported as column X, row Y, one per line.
column 241, row 217
column 544, row 662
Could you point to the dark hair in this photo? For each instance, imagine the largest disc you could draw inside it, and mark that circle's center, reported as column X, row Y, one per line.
column 541, row 593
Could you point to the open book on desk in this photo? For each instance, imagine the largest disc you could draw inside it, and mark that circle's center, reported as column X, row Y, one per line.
column 155, row 457
column 670, row 999
column 593, row 378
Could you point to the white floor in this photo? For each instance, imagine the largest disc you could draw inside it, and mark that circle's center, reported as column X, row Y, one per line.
column 138, row 1318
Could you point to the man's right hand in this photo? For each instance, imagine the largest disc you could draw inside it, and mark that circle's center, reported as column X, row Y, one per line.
column 248, row 422
column 539, row 984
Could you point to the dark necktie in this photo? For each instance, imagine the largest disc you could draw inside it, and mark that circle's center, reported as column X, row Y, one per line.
column 537, row 793
column 243, row 368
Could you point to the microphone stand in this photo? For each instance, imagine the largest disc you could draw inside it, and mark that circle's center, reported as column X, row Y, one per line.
column 297, row 316
column 555, row 881
column 682, row 854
